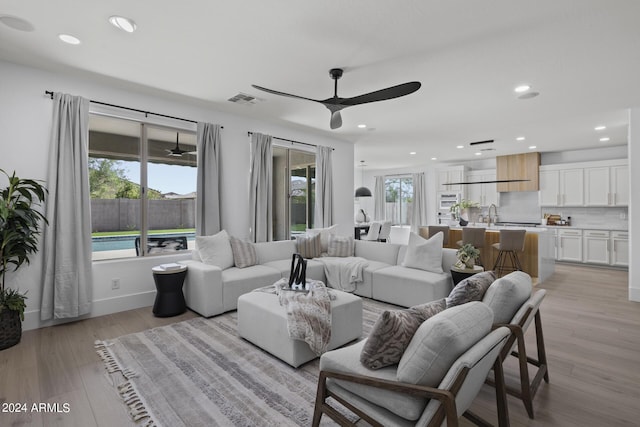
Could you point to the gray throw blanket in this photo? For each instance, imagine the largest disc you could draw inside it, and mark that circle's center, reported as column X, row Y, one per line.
column 343, row 273
column 308, row 313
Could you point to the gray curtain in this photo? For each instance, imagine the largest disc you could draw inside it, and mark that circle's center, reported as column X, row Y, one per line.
column 260, row 189
column 208, row 190
column 67, row 282
column 379, row 200
column 324, row 188
column 419, row 207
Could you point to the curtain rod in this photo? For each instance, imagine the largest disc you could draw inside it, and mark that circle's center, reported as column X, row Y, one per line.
column 50, row 93
column 289, row 140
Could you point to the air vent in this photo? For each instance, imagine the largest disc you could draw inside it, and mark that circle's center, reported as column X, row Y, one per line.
column 245, row 99
column 487, row 149
column 488, row 141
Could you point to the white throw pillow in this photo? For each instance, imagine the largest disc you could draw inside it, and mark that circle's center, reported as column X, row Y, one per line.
column 324, row 236
column 215, row 250
column 424, row 254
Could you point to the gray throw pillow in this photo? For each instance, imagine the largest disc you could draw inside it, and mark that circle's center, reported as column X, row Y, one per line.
column 392, row 333
column 244, row 253
column 340, row 246
column 309, row 246
column 471, row 289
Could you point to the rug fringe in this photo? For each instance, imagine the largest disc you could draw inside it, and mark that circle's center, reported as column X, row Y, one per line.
column 127, row 391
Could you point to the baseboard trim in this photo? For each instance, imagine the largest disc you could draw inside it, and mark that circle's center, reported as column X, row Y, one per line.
column 99, row 307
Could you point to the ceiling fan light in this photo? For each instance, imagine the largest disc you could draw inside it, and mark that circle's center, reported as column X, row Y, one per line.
column 363, row 192
column 122, row 23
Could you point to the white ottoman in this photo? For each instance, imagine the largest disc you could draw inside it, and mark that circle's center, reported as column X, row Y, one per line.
column 263, row 321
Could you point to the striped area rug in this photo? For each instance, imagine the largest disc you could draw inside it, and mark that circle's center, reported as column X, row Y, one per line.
column 200, row 373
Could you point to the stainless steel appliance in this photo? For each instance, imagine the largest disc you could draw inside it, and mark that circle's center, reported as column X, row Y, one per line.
column 446, row 199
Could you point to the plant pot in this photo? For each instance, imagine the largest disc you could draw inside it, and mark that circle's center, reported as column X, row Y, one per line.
column 470, row 263
column 10, row 328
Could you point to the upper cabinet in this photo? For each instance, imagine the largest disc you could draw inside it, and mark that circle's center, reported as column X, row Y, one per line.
column 603, row 183
column 521, row 168
column 485, row 194
column 452, row 175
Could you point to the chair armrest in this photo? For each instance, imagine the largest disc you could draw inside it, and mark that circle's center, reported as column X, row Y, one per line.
column 203, row 288
column 446, row 398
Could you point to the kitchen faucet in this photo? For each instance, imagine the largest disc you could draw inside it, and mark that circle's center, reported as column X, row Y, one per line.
column 495, row 213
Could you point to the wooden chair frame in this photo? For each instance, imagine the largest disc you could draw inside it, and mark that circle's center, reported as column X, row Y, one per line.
column 447, row 398
column 528, row 388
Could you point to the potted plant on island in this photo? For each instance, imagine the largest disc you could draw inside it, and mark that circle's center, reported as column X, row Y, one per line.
column 460, row 210
column 19, row 231
column 467, row 256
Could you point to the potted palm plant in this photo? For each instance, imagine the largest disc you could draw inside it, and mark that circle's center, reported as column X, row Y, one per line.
column 460, row 210
column 19, row 231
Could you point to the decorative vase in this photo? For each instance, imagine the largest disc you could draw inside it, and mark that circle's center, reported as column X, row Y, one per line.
column 361, row 216
column 10, row 328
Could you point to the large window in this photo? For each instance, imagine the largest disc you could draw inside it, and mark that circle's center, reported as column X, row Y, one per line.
column 294, row 180
column 399, row 198
column 143, row 190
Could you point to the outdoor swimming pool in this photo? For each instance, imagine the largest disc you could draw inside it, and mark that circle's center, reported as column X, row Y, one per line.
column 116, row 243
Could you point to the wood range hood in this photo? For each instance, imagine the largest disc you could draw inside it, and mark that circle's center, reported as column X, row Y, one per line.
column 521, row 170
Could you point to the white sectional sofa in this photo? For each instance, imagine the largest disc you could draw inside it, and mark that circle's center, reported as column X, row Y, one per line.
column 210, row 290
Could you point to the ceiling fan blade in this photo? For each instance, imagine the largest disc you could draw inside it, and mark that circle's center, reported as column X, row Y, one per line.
column 336, row 120
column 383, row 94
column 275, row 92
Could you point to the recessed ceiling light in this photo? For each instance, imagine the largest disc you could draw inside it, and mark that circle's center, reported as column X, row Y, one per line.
column 413, row 153
column 122, row 23
column 520, row 138
column 434, row 158
column 460, row 146
column 601, row 127
column 17, row 23
column 68, row 38
column 522, row 88
column 362, row 126
column 605, row 139
column 478, row 154
column 532, row 147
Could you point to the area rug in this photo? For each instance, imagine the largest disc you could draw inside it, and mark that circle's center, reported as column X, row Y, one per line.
column 198, row 372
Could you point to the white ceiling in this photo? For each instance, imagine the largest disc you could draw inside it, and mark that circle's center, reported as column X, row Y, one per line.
column 582, row 56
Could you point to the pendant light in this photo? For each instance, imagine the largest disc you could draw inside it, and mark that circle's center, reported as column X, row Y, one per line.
column 363, row 191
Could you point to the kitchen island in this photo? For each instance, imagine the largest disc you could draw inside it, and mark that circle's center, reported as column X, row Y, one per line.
column 538, row 259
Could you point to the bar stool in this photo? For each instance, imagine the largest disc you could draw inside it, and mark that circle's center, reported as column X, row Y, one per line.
column 435, row 229
column 474, row 236
column 511, row 242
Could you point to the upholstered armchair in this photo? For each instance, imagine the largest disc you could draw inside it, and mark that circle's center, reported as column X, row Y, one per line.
column 438, row 377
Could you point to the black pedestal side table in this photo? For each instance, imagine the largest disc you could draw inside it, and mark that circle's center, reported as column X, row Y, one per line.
column 169, row 297
column 459, row 274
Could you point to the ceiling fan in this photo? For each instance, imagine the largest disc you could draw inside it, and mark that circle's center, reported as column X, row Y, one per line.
column 335, row 103
column 178, row 152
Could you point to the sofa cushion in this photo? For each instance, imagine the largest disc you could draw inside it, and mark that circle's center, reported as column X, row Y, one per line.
column 376, row 251
column 347, row 360
column 440, row 340
column 324, row 235
column 507, row 294
column 340, row 246
column 275, row 251
column 237, row 281
column 409, row 286
column 244, row 254
column 309, row 246
column 215, row 250
column 425, row 254
column 393, row 331
column 470, row 289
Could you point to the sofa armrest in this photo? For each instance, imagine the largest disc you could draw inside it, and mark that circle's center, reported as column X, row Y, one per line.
column 203, row 288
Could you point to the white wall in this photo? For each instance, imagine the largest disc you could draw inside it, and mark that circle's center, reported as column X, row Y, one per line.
column 25, row 123
column 634, row 200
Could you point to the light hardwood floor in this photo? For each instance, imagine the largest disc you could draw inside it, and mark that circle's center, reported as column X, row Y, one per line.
column 592, row 336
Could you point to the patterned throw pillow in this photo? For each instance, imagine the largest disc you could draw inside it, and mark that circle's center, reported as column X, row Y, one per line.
column 309, row 246
column 244, row 253
column 471, row 289
column 341, row 246
column 392, row 333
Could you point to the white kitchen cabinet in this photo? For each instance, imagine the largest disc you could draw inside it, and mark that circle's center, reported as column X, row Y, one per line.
column 570, row 245
column 620, row 248
column 596, row 246
column 451, row 175
column 561, row 187
column 485, row 194
column 607, row 185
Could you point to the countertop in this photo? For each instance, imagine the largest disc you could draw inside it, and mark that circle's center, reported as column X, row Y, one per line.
column 541, row 228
